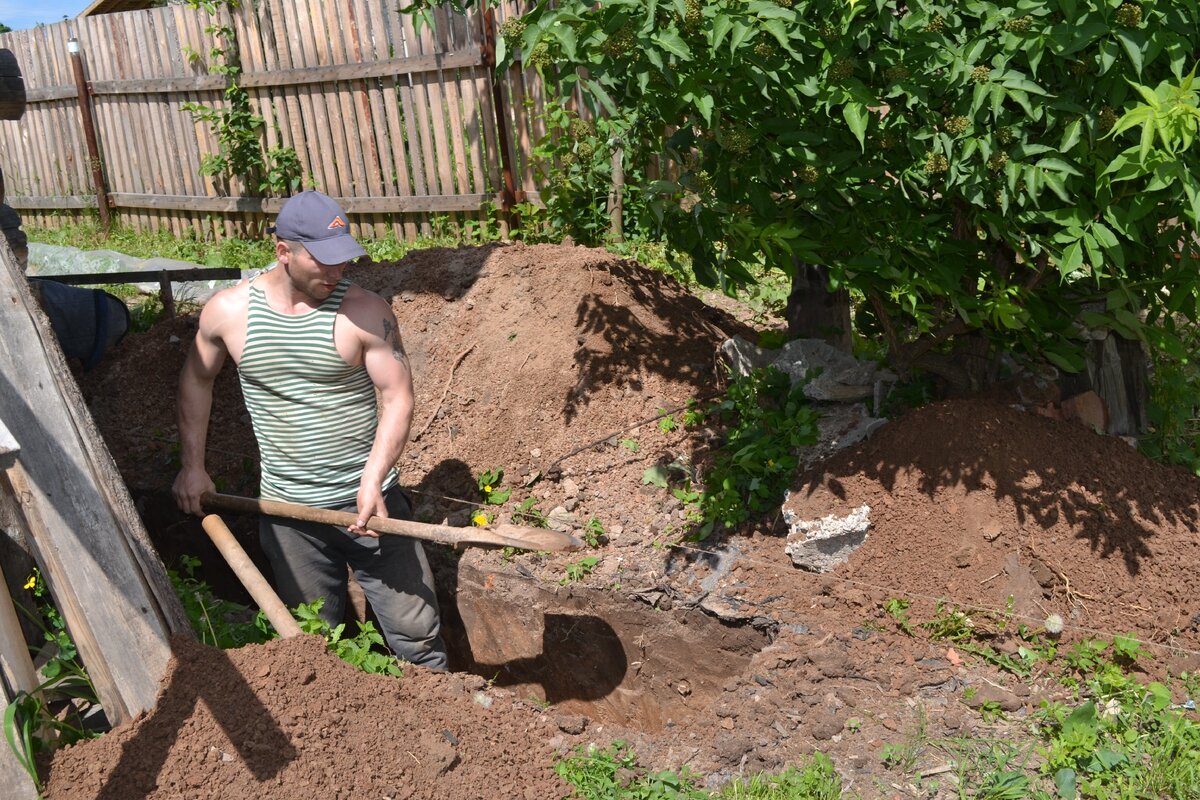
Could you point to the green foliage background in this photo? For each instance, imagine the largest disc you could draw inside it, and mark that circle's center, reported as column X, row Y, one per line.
column 1004, row 167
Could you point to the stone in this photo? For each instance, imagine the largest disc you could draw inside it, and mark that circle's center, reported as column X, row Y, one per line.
column 744, row 357
column 1087, row 408
column 570, row 488
column 822, row 544
column 561, row 520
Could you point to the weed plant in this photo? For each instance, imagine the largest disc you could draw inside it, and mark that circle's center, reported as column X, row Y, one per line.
column 366, row 650
column 767, row 420
column 527, row 513
column 1117, row 737
column 51, row 714
column 217, row 622
column 613, row 773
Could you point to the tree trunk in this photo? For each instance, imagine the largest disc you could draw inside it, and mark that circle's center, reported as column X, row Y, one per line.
column 816, row 312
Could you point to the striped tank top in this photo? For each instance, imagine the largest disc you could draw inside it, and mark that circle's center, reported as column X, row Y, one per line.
column 313, row 414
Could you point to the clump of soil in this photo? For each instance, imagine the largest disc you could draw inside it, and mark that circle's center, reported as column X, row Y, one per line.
column 552, row 363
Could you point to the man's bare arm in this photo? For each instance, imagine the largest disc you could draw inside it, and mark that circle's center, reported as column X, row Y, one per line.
column 387, row 364
column 194, row 407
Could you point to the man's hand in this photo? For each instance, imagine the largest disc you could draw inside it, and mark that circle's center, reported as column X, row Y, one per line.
column 370, row 504
column 190, row 485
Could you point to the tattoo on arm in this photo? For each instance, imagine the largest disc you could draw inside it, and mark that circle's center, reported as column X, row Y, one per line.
column 391, row 333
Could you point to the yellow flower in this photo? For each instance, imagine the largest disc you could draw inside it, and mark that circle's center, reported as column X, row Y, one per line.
column 480, row 520
column 32, row 582
column 487, row 489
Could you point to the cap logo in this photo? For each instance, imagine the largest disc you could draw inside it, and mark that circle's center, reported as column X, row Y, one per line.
column 337, row 223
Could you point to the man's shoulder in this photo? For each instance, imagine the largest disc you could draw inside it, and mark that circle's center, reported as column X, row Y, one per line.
column 227, row 303
column 360, row 300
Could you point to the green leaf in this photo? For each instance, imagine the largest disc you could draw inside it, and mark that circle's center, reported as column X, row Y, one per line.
column 1063, row 361
column 656, row 475
column 857, row 116
column 1065, row 783
column 703, row 104
column 1055, row 182
column 720, row 27
column 601, row 96
column 1071, row 136
column 1058, row 165
column 777, row 29
column 1072, row 259
column 1023, row 84
column 671, row 41
column 1134, row 43
column 741, row 32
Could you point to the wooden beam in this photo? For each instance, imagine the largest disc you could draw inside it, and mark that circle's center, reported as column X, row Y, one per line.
column 414, row 204
column 102, row 571
column 15, row 783
column 470, row 57
column 52, row 201
column 142, row 276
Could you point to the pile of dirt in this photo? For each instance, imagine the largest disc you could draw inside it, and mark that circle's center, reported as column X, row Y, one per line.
column 552, row 363
column 976, row 501
column 288, row 719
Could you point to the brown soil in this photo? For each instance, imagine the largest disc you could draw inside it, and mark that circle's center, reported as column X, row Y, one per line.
column 720, row 656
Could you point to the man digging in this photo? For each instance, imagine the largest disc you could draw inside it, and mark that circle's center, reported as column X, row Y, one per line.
column 311, row 350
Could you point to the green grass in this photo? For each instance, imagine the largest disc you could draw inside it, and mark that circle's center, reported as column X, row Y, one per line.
column 613, row 773
column 236, row 253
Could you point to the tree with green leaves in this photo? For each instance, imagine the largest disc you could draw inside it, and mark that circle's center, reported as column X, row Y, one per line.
column 1008, row 170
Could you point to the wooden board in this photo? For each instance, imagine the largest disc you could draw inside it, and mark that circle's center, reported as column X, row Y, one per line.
column 102, row 571
column 15, row 783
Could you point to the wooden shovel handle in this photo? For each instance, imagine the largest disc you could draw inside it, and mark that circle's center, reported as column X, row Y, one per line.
column 250, row 577
column 500, row 536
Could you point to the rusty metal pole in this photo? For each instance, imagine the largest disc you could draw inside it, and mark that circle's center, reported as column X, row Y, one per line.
column 89, row 130
column 508, row 193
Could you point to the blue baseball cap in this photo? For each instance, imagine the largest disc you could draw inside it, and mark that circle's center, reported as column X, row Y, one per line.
column 316, row 221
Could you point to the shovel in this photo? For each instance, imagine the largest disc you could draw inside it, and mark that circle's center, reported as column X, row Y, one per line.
column 499, row 536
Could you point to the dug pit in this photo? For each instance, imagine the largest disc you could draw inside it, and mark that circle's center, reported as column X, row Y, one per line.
column 590, row 652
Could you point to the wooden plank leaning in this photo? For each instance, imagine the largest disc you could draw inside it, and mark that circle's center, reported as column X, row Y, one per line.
column 102, row 571
column 15, row 662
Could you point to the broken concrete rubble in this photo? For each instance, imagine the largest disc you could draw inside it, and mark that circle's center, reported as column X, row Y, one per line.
column 819, row 545
column 832, row 375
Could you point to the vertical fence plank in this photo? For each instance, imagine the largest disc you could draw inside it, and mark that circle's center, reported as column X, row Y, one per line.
column 349, row 129
column 186, row 154
column 297, row 105
column 369, row 124
column 397, row 106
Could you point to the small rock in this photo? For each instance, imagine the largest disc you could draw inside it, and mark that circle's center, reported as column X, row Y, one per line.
column 408, row 296
column 570, row 488
column 573, row 724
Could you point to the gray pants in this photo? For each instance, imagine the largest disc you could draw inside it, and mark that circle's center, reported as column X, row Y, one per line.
column 309, row 560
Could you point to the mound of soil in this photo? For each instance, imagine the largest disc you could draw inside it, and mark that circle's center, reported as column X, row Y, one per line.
column 288, row 719
column 552, row 363
column 976, row 501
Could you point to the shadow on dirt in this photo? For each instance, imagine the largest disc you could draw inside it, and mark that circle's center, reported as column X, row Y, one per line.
column 663, row 330
column 259, row 742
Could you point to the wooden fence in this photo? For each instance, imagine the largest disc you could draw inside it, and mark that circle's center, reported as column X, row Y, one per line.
column 403, row 127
